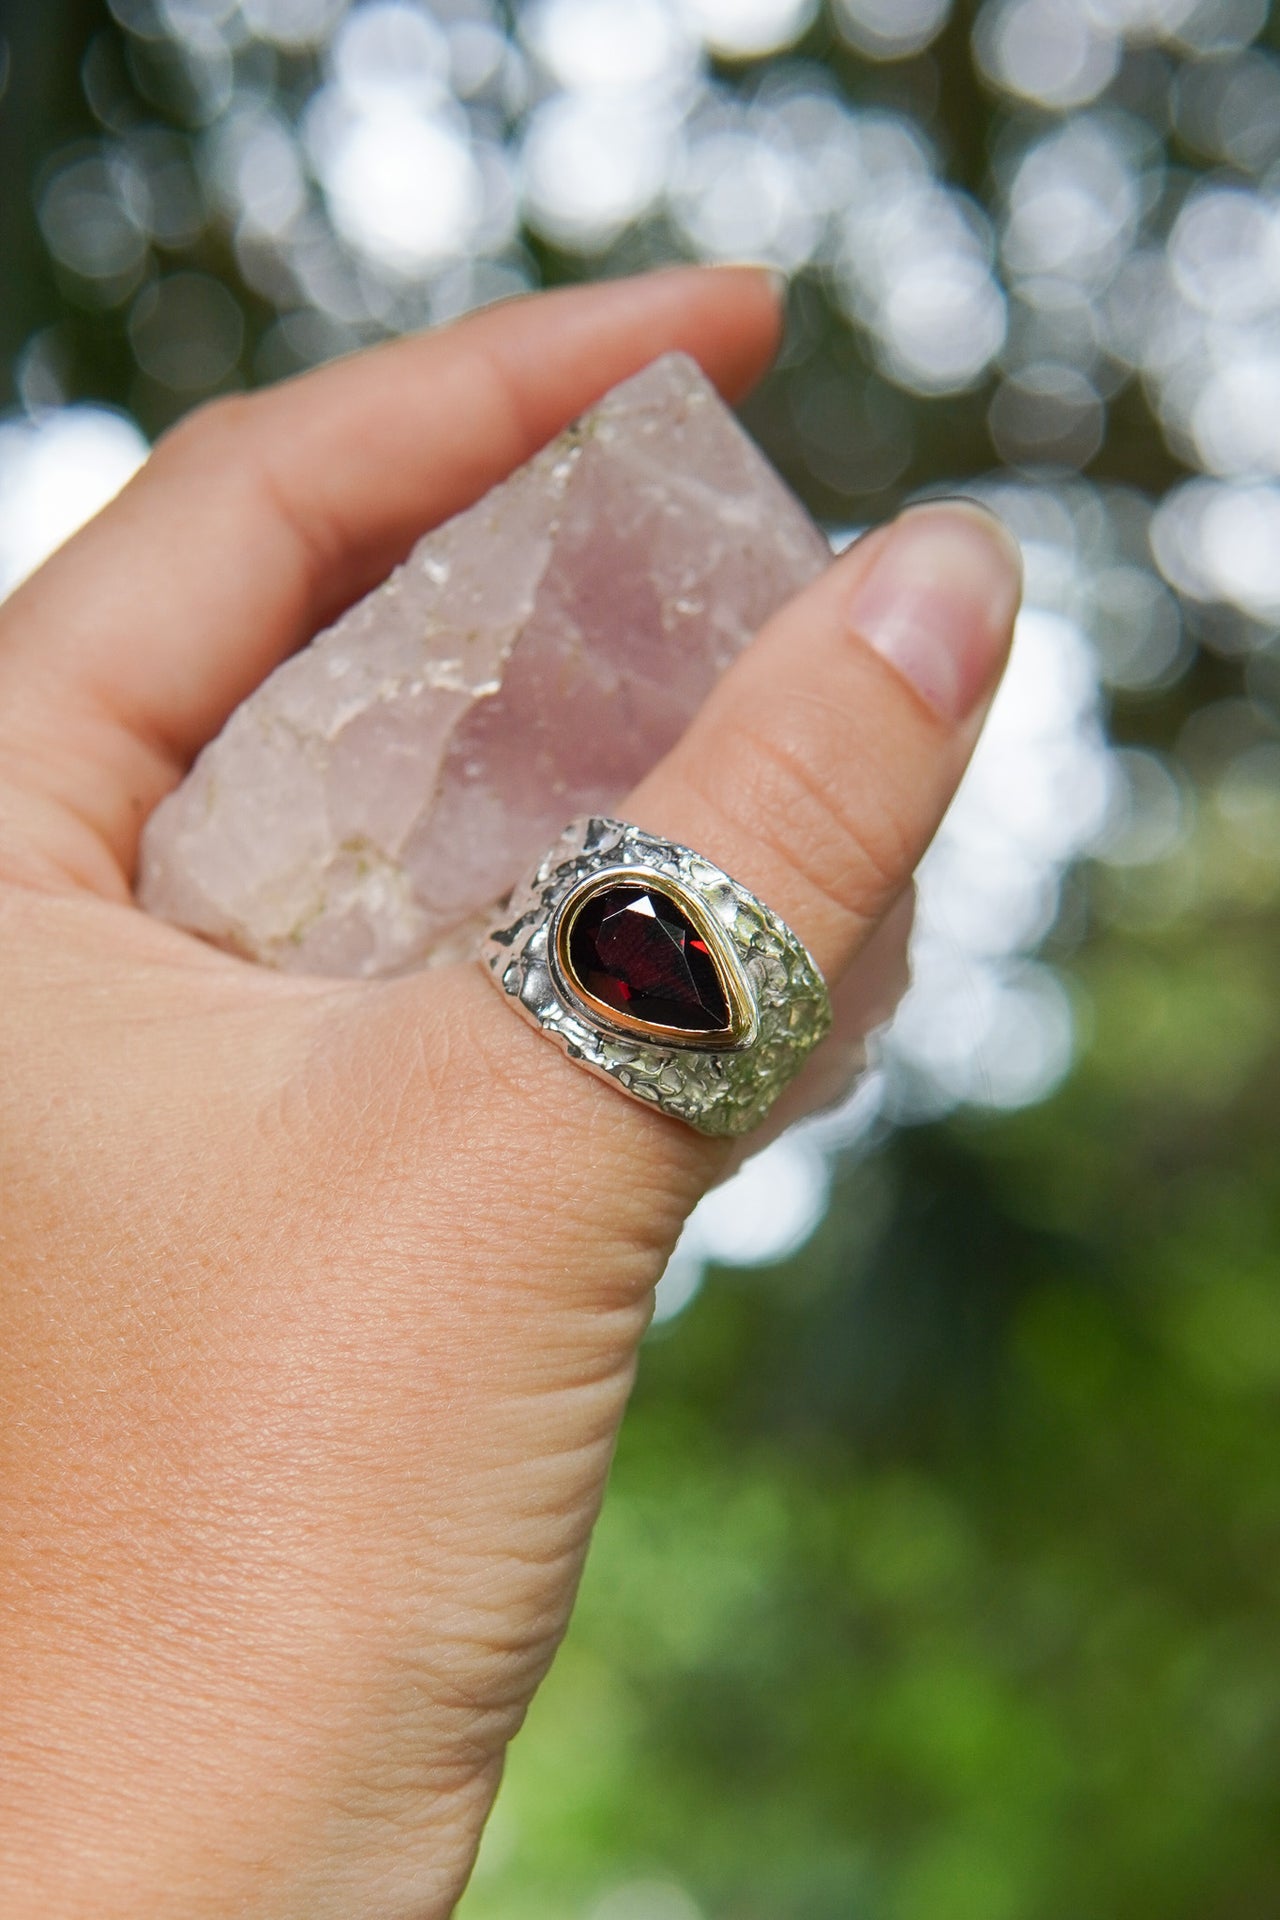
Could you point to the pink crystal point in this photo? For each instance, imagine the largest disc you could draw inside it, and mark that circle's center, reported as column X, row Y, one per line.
column 531, row 659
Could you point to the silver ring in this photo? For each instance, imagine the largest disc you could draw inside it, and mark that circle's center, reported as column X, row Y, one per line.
column 651, row 967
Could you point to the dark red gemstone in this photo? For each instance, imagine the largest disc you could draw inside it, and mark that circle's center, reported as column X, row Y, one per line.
column 632, row 948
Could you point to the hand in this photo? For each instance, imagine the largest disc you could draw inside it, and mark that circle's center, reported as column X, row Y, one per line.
column 319, row 1301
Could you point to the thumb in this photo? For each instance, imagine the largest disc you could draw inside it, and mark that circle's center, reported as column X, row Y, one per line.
column 816, row 774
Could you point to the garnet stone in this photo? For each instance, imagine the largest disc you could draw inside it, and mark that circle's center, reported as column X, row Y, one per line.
column 632, row 948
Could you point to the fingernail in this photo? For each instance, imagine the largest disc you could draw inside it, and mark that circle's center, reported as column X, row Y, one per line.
column 939, row 601
column 778, row 280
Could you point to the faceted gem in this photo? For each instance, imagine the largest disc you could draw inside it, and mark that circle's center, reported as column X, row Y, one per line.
column 633, row 949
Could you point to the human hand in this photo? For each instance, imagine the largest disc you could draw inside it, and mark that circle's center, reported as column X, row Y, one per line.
column 319, row 1301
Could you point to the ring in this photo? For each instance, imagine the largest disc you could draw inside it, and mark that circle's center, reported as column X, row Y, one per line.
column 652, row 968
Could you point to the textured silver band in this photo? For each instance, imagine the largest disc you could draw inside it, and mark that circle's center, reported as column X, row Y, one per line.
column 778, row 997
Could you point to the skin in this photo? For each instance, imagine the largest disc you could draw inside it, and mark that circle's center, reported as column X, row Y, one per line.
column 319, row 1301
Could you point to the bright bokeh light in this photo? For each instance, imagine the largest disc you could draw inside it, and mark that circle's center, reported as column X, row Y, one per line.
column 916, row 271
column 943, row 321
column 890, row 29
column 1224, row 253
column 55, row 473
column 192, row 19
column 1219, row 542
column 1074, row 203
column 1140, row 20
column 1207, row 343
column 1137, row 628
column 289, row 23
column 91, row 215
column 747, row 29
column 764, row 1213
column 256, row 170
column 1235, row 417
column 1047, row 51
column 596, row 46
column 740, row 197
column 403, row 188
column 1229, row 109
column 1218, row 27
column 993, row 1036
column 982, row 1023
column 1147, row 816
column 391, row 53
column 590, row 167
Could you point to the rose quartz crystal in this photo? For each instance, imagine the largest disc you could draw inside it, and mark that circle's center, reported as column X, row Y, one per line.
column 533, row 657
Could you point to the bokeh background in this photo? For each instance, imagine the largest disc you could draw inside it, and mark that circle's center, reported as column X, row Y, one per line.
column 940, row 1573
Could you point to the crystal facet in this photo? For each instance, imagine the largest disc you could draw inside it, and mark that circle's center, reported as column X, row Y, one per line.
column 366, row 808
column 634, row 950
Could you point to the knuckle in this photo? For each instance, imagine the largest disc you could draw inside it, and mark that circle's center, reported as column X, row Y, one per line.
column 223, row 438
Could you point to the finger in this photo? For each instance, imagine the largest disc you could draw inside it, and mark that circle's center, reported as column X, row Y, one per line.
column 820, row 768
column 816, row 774
column 259, row 518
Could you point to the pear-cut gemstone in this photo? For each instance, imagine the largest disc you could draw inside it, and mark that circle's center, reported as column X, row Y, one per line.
column 632, row 948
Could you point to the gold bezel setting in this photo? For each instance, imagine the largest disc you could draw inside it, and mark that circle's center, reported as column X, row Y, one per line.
column 721, row 1083
column 742, row 1027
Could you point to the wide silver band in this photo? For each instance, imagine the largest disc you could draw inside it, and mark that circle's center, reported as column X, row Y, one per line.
column 778, row 1009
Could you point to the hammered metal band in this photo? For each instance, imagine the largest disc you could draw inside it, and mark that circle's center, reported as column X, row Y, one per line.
column 651, row 967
